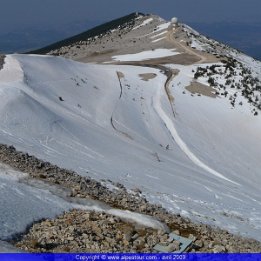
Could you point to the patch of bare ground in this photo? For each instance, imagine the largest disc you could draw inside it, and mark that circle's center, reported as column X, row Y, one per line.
column 171, row 74
column 99, row 53
column 199, row 88
column 120, row 75
column 147, row 76
column 183, row 59
column 96, row 56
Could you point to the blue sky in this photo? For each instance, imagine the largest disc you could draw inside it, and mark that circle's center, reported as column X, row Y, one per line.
column 48, row 13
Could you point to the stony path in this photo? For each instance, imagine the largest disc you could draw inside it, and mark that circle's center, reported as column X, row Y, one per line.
column 209, row 239
column 170, row 37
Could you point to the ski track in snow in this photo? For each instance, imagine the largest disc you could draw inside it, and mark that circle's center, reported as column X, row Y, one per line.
column 171, row 127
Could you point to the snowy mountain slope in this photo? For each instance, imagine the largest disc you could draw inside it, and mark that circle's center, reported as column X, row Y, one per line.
column 115, row 122
column 22, row 204
column 25, row 200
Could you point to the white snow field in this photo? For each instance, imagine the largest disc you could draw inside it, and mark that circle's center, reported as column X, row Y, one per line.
column 21, row 204
column 106, row 122
column 145, row 55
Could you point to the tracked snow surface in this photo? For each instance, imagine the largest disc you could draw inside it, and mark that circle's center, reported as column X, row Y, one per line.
column 107, row 122
column 22, row 205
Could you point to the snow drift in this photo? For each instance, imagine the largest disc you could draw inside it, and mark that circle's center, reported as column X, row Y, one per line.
column 107, row 122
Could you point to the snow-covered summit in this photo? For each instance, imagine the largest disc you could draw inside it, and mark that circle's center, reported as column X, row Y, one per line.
column 164, row 109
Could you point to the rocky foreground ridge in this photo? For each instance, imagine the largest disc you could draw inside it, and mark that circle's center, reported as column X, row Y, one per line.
column 88, row 231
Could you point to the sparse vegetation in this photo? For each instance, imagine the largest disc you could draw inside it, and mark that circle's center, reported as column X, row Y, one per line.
column 236, row 77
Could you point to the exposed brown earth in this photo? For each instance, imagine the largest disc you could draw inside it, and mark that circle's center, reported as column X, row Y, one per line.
column 147, row 76
column 199, row 88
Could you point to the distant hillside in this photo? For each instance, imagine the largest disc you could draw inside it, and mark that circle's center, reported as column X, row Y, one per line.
column 26, row 39
column 243, row 36
column 101, row 29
